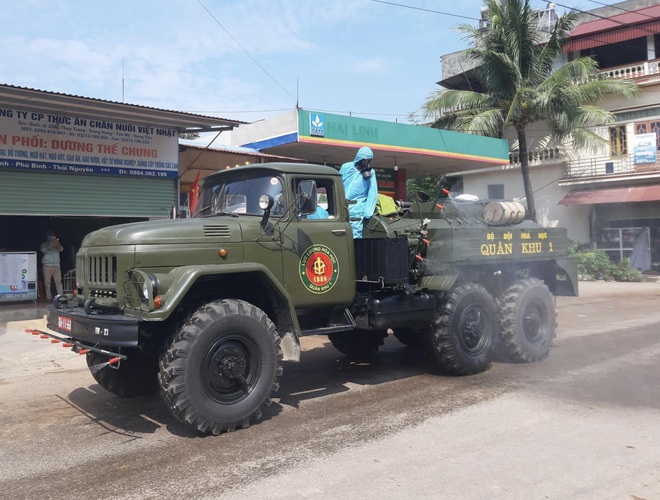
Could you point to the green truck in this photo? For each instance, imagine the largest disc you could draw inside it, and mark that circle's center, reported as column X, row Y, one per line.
column 205, row 309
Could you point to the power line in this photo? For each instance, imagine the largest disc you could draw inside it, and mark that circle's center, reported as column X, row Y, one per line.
column 424, row 10
column 590, row 13
column 244, row 50
column 615, row 6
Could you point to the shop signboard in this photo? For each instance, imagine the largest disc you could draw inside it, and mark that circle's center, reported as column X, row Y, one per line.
column 645, row 149
column 41, row 141
column 386, row 180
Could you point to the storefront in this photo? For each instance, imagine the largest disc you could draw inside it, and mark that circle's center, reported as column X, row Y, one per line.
column 625, row 221
column 75, row 164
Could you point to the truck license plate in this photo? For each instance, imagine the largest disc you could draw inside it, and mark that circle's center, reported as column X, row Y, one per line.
column 64, row 323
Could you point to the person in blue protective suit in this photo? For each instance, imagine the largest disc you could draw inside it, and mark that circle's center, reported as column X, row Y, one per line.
column 361, row 186
column 321, row 213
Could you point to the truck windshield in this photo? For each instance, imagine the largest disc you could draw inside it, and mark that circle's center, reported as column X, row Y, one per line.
column 240, row 195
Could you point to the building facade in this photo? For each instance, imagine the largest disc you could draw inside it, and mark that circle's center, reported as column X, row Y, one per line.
column 608, row 198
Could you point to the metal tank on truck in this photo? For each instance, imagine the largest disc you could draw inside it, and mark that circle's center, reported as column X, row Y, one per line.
column 205, row 309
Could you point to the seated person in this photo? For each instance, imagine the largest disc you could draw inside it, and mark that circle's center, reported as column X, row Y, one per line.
column 321, row 213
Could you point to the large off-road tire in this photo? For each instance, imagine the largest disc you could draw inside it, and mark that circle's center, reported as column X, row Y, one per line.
column 132, row 377
column 417, row 339
column 221, row 367
column 527, row 320
column 464, row 336
column 357, row 343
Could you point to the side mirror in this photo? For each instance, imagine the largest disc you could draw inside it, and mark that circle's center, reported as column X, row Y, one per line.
column 306, row 198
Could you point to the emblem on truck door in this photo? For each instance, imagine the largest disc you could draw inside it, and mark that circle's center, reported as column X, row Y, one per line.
column 319, row 269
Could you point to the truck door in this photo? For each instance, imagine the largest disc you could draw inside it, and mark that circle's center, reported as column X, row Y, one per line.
column 318, row 251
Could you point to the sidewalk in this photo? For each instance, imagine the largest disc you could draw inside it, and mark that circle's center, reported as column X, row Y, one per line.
column 605, row 288
column 22, row 311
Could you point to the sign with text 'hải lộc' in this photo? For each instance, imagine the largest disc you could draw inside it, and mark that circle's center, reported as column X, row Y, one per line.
column 40, row 141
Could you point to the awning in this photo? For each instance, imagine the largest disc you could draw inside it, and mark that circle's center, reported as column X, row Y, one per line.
column 615, row 29
column 613, row 195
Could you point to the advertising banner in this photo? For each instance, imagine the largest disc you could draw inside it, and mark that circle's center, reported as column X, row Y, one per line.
column 18, row 276
column 385, row 178
column 38, row 141
column 645, row 149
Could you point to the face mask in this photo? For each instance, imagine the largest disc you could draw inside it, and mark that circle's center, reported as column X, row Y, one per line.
column 364, row 166
column 51, row 237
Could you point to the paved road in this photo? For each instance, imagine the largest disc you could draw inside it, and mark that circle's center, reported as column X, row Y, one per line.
column 582, row 424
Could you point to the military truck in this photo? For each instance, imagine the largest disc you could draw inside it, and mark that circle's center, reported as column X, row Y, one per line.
column 206, row 309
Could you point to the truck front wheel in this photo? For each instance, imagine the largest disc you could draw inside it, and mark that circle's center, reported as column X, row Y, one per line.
column 129, row 378
column 527, row 318
column 465, row 331
column 221, row 367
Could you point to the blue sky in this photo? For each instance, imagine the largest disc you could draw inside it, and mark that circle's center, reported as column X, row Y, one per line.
column 370, row 59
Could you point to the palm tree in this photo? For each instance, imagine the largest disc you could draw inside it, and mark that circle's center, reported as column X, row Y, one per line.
column 520, row 85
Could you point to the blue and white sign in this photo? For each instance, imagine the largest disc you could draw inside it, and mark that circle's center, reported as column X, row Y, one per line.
column 46, row 142
column 645, row 149
column 316, row 125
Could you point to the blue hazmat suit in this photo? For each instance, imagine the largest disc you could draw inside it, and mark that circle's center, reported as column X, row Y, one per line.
column 363, row 190
column 321, row 213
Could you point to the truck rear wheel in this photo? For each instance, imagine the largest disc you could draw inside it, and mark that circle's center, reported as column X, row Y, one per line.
column 130, row 378
column 464, row 335
column 527, row 319
column 221, row 367
column 357, row 343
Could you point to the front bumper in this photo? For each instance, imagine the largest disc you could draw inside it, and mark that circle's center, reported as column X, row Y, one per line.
column 93, row 328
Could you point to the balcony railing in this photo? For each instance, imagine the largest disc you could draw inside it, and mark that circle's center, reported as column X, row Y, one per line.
column 636, row 71
column 538, row 156
column 604, row 165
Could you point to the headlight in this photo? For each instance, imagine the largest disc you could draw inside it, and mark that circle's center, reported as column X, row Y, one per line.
column 143, row 291
column 150, row 285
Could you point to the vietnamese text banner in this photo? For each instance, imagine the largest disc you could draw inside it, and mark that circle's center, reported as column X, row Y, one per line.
column 38, row 141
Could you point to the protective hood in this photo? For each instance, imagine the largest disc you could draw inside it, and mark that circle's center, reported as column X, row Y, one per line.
column 364, row 153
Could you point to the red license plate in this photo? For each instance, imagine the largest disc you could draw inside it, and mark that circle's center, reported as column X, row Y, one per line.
column 64, row 323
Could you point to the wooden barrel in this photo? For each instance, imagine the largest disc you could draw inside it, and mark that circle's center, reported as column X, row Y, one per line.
column 504, row 213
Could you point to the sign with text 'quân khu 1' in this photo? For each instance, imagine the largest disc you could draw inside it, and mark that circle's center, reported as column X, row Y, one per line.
column 40, row 141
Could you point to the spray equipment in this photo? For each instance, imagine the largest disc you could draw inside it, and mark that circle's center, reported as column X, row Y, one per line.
column 441, row 187
column 114, row 359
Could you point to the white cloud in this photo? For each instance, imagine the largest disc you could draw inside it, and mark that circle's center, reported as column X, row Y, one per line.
column 370, row 66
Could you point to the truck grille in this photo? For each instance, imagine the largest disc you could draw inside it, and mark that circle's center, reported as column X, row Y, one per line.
column 99, row 270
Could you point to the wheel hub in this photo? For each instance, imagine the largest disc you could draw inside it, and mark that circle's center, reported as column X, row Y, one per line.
column 533, row 322
column 472, row 330
column 226, row 369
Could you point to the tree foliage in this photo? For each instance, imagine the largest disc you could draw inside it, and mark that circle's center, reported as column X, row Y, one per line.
column 515, row 66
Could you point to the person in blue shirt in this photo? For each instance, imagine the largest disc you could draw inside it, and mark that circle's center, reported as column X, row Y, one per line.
column 360, row 185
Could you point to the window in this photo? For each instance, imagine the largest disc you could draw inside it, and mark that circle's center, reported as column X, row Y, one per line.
column 618, row 142
column 495, row 191
column 324, row 197
column 240, row 194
